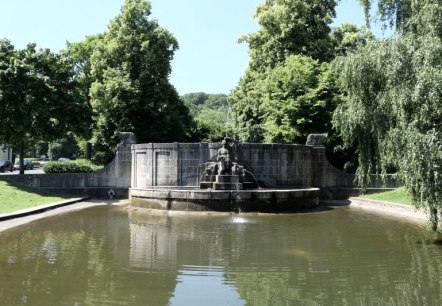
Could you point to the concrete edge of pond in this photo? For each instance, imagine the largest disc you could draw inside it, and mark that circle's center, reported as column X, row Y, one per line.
column 390, row 208
column 40, row 209
column 7, row 221
column 56, row 210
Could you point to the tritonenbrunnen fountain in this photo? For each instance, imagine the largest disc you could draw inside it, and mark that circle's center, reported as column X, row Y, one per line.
column 219, row 176
column 232, row 176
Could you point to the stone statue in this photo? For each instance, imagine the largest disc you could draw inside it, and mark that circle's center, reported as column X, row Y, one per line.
column 210, row 168
column 224, row 158
column 126, row 138
column 315, row 139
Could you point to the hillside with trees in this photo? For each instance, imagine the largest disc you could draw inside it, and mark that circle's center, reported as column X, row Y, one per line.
column 211, row 114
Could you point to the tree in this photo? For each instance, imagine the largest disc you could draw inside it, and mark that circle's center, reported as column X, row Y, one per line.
column 349, row 38
column 80, row 55
column 64, row 147
column 41, row 149
column 287, row 28
column 420, row 17
column 36, row 93
column 246, row 101
column 394, row 102
column 131, row 90
column 211, row 114
column 291, row 27
column 299, row 100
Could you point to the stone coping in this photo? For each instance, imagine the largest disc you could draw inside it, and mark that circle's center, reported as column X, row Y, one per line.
column 10, row 224
column 391, row 208
column 39, row 209
column 201, row 194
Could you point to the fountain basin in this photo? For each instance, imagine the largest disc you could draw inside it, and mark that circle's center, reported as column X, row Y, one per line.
column 253, row 200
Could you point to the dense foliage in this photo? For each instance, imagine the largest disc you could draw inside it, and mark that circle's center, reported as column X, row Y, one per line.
column 64, row 147
column 37, row 94
column 80, row 54
column 76, row 166
column 287, row 91
column 393, row 106
column 113, row 81
column 211, row 115
column 131, row 92
column 299, row 100
column 291, row 27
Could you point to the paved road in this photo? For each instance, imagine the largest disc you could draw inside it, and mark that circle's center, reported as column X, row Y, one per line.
column 35, row 171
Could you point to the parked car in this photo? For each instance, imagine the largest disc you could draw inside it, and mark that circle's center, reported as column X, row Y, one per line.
column 6, row 165
column 44, row 160
column 27, row 165
column 63, row 159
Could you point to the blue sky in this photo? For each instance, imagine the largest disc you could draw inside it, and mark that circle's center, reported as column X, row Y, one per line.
column 209, row 59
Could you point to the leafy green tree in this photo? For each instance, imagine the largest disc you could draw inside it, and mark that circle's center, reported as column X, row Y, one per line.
column 193, row 100
column 64, row 147
column 349, row 38
column 246, row 100
column 80, row 54
column 131, row 90
column 420, row 17
column 393, row 102
column 211, row 114
column 41, row 149
column 291, row 27
column 36, row 93
column 299, row 100
column 287, row 28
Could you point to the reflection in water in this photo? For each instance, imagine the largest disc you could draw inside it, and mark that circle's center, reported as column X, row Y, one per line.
column 194, row 279
column 114, row 256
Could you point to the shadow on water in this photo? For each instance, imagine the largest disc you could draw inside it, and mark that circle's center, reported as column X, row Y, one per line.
column 436, row 241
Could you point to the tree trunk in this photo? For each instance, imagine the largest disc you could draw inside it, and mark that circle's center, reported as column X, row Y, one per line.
column 22, row 152
column 88, row 151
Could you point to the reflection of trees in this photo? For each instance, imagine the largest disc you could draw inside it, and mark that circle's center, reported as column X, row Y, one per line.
column 338, row 261
column 81, row 258
column 315, row 258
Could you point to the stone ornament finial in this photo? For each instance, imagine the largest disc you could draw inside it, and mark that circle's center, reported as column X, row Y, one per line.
column 315, row 140
column 126, row 138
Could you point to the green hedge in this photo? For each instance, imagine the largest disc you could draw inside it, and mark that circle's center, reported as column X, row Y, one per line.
column 76, row 166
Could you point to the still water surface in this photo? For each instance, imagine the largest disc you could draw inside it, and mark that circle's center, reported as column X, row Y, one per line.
column 122, row 256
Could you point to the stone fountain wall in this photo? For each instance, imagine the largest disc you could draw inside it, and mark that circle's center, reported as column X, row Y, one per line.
column 113, row 181
column 138, row 166
column 274, row 165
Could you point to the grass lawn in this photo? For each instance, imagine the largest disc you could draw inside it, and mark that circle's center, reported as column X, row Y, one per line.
column 396, row 196
column 14, row 197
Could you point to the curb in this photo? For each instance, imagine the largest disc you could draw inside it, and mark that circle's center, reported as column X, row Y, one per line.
column 389, row 207
column 40, row 209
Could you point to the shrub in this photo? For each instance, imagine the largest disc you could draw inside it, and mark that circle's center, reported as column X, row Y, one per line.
column 77, row 166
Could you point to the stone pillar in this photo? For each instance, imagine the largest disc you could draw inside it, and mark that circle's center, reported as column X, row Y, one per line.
column 123, row 159
column 123, row 166
column 334, row 183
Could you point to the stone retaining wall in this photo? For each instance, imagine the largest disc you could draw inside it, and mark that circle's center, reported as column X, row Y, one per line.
column 111, row 182
column 273, row 165
column 179, row 164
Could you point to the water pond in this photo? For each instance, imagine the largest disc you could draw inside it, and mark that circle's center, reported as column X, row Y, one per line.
column 124, row 256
